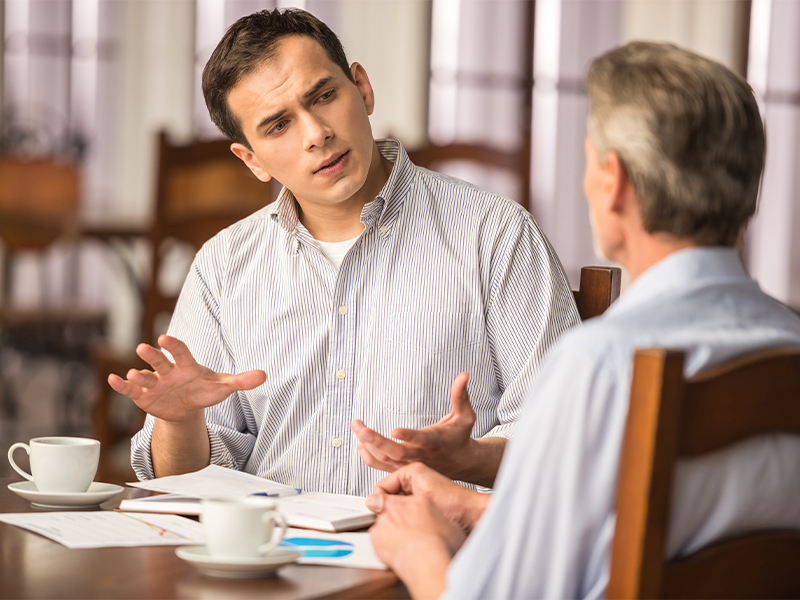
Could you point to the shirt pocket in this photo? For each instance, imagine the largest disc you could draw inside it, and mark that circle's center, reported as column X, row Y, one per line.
column 435, row 332
column 422, row 353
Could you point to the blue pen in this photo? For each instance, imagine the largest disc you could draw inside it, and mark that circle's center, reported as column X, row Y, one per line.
column 277, row 494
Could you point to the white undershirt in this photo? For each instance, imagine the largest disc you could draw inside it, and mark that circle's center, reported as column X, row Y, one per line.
column 335, row 251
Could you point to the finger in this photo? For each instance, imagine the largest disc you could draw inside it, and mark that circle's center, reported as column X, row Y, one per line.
column 391, row 484
column 180, row 351
column 247, row 380
column 414, row 437
column 373, row 462
column 155, row 358
column 144, row 378
column 118, row 384
column 384, row 449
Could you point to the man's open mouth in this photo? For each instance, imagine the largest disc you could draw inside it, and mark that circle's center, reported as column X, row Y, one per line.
column 333, row 163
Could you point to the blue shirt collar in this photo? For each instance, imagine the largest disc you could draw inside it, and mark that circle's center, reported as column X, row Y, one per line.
column 683, row 269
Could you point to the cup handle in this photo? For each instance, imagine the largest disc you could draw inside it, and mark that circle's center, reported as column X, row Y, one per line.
column 27, row 476
column 281, row 522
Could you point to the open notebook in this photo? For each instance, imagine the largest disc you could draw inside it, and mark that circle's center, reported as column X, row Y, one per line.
column 181, row 494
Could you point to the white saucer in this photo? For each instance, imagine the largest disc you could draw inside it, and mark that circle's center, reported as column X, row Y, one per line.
column 236, row 568
column 97, row 493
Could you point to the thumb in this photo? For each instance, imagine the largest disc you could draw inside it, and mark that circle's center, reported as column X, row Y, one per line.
column 247, row 380
column 459, row 396
column 375, row 502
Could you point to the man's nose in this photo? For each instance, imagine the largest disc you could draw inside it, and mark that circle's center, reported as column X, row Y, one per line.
column 316, row 131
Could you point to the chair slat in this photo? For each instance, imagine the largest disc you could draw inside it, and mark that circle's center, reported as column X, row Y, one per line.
column 756, row 566
column 757, row 395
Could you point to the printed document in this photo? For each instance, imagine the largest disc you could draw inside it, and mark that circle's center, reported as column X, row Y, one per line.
column 108, row 529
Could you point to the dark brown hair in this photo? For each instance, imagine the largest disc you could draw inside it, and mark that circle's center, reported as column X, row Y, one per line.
column 247, row 44
column 689, row 133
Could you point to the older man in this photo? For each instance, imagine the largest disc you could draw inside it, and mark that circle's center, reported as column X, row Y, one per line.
column 674, row 155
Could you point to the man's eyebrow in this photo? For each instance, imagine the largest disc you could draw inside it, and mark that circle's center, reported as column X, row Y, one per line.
column 267, row 120
column 320, row 84
column 274, row 117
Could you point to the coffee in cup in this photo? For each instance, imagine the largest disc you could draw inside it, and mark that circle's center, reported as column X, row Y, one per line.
column 59, row 464
column 237, row 528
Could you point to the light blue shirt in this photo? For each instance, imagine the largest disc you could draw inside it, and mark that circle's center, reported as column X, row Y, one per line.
column 444, row 278
column 548, row 528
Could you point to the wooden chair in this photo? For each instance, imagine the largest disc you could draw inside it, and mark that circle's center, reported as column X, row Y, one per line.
column 201, row 188
column 39, row 206
column 517, row 163
column 599, row 287
column 671, row 418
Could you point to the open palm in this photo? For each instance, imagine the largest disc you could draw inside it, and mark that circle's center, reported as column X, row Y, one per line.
column 173, row 391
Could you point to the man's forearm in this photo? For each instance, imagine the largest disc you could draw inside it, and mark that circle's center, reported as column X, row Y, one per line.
column 178, row 448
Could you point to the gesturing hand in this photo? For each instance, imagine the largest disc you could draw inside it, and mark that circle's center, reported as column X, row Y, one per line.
column 446, row 446
column 173, row 391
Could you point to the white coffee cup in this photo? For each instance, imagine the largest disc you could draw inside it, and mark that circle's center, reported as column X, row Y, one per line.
column 241, row 527
column 59, row 464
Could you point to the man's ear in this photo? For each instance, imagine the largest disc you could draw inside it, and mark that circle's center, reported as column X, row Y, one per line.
column 364, row 86
column 616, row 186
column 250, row 160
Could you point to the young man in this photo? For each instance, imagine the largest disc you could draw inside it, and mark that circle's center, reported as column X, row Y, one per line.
column 674, row 155
column 358, row 296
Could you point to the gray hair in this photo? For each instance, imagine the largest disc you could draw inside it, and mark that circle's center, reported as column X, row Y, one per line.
column 689, row 134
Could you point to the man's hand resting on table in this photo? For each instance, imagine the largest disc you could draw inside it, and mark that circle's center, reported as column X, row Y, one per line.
column 447, row 446
column 173, row 391
column 456, row 503
column 421, row 523
column 176, row 394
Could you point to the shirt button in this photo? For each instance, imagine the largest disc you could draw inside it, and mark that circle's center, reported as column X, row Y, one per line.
column 336, row 442
column 383, row 229
column 342, row 310
column 339, row 374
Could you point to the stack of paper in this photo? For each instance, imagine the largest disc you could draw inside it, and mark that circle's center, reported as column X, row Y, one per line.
column 310, row 510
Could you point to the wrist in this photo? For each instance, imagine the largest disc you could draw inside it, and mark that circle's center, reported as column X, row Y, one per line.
column 473, row 506
column 425, row 571
column 481, row 460
column 192, row 421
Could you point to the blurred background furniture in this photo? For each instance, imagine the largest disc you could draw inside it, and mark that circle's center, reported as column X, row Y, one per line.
column 201, row 188
column 672, row 418
column 598, row 288
column 471, row 161
column 39, row 209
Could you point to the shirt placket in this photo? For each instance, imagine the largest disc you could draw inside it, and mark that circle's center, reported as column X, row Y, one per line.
column 342, row 356
column 340, row 379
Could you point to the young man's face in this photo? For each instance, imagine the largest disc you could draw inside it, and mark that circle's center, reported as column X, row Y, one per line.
column 307, row 123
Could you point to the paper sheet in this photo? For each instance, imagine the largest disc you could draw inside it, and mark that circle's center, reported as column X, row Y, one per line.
column 333, row 549
column 108, row 529
column 216, row 482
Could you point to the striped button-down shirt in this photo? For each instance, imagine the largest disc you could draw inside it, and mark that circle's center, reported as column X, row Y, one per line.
column 444, row 278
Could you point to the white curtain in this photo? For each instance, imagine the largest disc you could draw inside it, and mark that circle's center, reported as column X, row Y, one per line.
column 774, row 71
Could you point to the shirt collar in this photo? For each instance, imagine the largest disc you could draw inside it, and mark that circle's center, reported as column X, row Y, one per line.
column 687, row 268
column 385, row 206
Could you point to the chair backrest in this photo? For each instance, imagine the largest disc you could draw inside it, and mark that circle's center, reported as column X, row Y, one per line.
column 671, row 418
column 599, row 287
column 201, row 188
column 480, row 159
column 39, row 201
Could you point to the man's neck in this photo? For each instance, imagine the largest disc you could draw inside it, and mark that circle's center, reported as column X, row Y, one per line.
column 342, row 221
column 648, row 249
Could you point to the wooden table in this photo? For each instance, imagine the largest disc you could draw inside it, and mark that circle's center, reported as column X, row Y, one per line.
column 32, row 566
